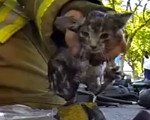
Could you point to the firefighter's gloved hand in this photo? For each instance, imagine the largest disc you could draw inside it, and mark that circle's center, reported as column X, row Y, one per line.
column 81, row 111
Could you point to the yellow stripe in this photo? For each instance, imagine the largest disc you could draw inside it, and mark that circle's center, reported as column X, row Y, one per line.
column 12, row 4
column 41, row 10
column 9, row 30
column 4, row 10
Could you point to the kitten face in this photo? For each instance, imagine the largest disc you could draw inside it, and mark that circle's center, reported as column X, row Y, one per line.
column 100, row 32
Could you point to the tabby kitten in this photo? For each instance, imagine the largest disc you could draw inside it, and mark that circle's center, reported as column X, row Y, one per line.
column 98, row 32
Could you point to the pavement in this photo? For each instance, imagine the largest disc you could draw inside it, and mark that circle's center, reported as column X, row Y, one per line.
column 123, row 112
column 21, row 112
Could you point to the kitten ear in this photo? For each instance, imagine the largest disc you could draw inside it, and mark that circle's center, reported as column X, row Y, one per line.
column 62, row 23
column 122, row 18
column 65, row 22
column 76, row 25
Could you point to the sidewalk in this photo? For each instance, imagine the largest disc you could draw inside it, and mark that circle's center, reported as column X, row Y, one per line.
column 123, row 112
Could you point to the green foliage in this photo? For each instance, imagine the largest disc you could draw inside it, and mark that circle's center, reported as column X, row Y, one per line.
column 140, row 44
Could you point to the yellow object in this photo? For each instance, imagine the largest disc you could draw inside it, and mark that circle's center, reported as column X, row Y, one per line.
column 4, row 11
column 7, row 31
column 10, row 21
column 42, row 8
column 45, row 15
column 74, row 112
column 46, row 8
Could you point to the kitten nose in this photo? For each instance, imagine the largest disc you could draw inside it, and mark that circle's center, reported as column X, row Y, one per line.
column 93, row 47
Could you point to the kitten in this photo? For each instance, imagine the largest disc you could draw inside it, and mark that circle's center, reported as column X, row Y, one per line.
column 98, row 33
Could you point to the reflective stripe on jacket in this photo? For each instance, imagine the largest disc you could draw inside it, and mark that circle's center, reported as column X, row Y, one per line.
column 23, row 68
column 43, row 12
column 10, row 20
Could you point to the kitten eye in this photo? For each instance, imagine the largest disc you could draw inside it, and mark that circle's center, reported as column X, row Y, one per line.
column 86, row 34
column 104, row 36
